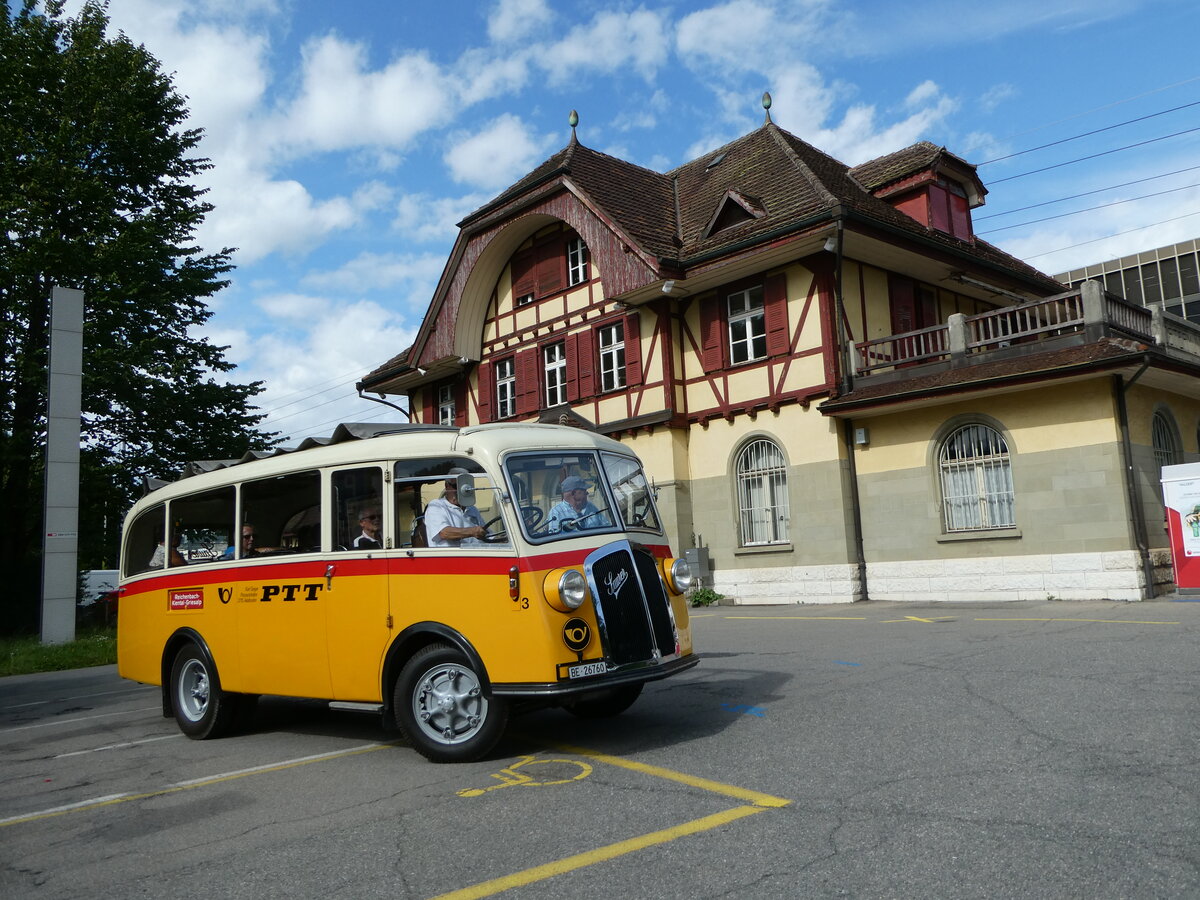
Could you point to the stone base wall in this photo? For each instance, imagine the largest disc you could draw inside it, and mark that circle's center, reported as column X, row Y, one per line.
column 1113, row 575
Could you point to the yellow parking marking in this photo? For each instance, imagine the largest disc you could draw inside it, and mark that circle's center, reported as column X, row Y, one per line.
column 600, row 854
column 113, row 799
column 510, row 777
column 1072, row 619
column 932, row 621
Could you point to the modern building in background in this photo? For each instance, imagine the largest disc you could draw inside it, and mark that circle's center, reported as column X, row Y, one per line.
column 841, row 391
column 1167, row 277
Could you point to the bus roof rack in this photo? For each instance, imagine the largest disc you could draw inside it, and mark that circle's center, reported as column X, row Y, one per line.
column 347, row 431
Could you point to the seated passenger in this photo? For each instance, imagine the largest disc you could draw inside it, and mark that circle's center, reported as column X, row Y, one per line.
column 575, row 510
column 448, row 523
column 368, row 520
column 247, row 544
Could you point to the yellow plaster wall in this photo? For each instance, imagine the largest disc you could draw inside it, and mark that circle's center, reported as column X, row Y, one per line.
column 1052, row 418
column 806, row 437
column 1142, row 402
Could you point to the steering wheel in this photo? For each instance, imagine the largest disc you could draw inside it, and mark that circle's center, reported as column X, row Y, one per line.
column 532, row 515
column 500, row 537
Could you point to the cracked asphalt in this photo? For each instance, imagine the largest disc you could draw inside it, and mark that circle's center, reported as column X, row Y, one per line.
column 877, row 750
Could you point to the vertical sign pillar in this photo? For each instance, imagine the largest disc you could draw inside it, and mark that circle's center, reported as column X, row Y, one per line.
column 60, row 546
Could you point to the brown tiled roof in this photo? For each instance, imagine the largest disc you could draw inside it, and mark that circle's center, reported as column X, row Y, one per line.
column 875, row 173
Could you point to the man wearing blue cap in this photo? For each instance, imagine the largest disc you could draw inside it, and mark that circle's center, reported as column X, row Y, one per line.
column 575, row 510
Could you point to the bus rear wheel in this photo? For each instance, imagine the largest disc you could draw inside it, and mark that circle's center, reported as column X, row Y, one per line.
column 442, row 709
column 201, row 708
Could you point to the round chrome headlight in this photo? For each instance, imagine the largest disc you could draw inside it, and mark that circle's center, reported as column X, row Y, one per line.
column 680, row 575
column 572, row 588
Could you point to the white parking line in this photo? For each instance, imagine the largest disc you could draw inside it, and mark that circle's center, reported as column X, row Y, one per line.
column 135, row 690
column 163, row 737
column 4, row 731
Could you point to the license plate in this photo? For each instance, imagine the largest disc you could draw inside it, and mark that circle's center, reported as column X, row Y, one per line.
column 582, row 671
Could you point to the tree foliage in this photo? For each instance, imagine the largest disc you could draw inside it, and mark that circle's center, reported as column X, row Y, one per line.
column 98, row 192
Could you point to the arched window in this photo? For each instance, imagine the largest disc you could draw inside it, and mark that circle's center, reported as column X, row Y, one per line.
column 762, row 493
column 1164, row 438
column 976, row 479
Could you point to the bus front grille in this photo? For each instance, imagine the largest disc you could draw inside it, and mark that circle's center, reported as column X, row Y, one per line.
column 631, row 606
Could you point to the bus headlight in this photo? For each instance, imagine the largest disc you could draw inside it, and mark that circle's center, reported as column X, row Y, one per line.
column 566, row 589
column 679, row 575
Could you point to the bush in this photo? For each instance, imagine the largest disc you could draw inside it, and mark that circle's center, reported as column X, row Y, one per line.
column 704, row 596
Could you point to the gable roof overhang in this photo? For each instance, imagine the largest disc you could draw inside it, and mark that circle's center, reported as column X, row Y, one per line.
column 450, row 337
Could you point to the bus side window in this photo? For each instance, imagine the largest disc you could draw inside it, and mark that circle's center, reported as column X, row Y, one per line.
column 283, row 511
column 145, row 535
column 358, row 509
column 408, row 514
column 204, row 524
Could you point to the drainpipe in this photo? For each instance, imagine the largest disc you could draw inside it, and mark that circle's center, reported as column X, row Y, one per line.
column 1140, row 533
column 855, row 508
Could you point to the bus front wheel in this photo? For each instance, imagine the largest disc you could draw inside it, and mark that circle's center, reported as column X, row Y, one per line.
column 201, row 708
column 441, row 707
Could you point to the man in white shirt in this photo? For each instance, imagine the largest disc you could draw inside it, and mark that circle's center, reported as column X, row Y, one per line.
column 449, row 524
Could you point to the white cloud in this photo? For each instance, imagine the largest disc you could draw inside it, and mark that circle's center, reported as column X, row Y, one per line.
column 611, row 42
column 495, row 156
column 342, row 105
column 512, row 20
column 424, row 219
column 378, row 271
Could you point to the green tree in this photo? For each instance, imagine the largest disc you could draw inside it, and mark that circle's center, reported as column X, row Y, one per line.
column 97, row 192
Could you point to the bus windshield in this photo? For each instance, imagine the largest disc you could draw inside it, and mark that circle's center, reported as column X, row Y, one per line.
column 561, row 494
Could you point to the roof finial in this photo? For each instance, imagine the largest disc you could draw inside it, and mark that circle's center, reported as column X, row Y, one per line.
column 766, row 102
column 573, row 120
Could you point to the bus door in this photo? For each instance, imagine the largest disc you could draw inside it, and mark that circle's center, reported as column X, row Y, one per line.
column 356, row 601
column 280, row 588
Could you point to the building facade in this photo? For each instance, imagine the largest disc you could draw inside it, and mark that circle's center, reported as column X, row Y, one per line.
column 841, row 392
column 1168, row 277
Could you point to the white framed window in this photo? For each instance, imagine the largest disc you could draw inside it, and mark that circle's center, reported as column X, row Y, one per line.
column 445, row 404
column 577, row 262
column 612, row 357
column 506, row 388
column 762, row 490
column 747, row 326
column 555, row 359
column 1164, row 439
column 976, row 480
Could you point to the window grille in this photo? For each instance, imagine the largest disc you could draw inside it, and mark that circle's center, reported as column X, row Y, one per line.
column 763, row 509
column 976, row 479
column 1164, row 440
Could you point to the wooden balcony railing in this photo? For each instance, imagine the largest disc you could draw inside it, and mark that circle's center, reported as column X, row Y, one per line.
column 1088, row 311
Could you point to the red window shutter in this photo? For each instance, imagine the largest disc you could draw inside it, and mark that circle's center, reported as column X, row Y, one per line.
column 633, row 351
column 528, row 382
column 904, row 304
column 775, row 314
column 486, row 389
column 551, row 267
column 460, row 404
column 574, row 347
column 524, row 275
column 585, row 354
column 960, row 216
column 939, row 208
column 712, row 334
column 428, row 406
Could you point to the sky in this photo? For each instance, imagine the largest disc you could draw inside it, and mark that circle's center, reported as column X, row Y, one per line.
column 348, row 138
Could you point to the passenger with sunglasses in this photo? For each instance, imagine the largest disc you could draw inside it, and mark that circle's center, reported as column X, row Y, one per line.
column 369, row 539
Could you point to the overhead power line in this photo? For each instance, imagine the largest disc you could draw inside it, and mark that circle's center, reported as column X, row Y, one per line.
column 1077, row 137
column 1089, row 209
column 1097, row 155
column 1107, row 236
column 1111, row 187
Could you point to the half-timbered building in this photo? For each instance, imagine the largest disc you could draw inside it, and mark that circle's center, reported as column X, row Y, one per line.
column 842, row 392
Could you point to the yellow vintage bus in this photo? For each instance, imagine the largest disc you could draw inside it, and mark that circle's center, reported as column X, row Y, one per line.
column 443, row 576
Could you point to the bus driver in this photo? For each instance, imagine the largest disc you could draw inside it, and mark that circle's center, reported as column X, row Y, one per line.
column 448, row 523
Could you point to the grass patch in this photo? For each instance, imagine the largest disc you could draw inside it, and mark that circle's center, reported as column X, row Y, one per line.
column 26, row 655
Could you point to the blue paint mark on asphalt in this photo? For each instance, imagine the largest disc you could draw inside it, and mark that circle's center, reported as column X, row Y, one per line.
column 842, row 662
column 748, row 710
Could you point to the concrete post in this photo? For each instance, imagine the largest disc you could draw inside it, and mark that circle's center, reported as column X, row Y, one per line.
column 60, row 546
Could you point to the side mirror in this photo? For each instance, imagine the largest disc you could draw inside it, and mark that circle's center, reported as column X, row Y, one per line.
column 466, row 489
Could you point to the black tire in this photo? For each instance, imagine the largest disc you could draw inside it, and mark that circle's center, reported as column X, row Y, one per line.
column 604, row 703
column 442, row 709
column 201, row 708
